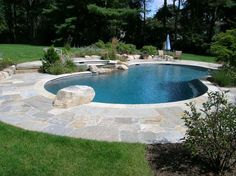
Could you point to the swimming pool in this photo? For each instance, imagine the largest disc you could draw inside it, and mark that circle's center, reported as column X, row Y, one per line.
column 141, row 84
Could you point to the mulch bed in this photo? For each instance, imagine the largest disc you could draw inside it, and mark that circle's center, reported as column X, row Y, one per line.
column 176, row 160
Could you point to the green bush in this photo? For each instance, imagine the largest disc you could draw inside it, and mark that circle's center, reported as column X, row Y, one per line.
column 211, row 132
column 123, row 48
column 149, row 49
column 4, row 63
column 224, row 47
column 50, row 57
column 110, row 55
column 99, row 44
column 61, row 68
column 225, row 76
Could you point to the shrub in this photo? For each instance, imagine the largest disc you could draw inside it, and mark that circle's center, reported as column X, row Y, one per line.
column 110, row 55
column 61, row 68
column 225, row 76
column 4, row 63
column 123, row 48
column 211, row 132
column 99, row 44
column 224, row 47
column 149, row 49
column 50, row 57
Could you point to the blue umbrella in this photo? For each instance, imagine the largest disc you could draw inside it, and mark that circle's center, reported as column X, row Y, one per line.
column 167, row 44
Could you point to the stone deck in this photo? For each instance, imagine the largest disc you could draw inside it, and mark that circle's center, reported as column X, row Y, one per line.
column 23, row 105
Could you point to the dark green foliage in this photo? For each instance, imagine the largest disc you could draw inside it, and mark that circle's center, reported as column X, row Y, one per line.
column 224, row 47
column 124, row 48
column 211, row 132
column 4, row 63
column 149, row 49
column 50, row 57
column 225, row 76
column 53, row 64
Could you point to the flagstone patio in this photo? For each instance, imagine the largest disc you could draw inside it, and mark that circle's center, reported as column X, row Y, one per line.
column 23, row 104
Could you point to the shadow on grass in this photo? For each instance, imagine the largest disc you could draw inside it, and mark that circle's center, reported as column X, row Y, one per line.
column 175, row 160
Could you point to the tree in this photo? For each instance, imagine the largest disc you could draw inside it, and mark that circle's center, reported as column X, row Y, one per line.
column 224, row 47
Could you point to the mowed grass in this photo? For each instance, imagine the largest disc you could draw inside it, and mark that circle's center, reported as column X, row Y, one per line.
column 21, row 53
column 194, row 57
column 26, row 53
column 25, row 153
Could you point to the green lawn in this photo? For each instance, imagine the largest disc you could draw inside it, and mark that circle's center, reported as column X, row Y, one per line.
column 21, row 53
column 25, row 153
column 195, row 57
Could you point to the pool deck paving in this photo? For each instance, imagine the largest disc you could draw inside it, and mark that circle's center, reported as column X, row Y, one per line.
column 23, row 103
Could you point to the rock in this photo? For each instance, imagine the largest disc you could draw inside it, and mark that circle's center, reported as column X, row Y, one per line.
column 74, row 96
column 137, row 56
column 9, row 71
column 104, row 70
column 149, row 57
column 122, row 67
column 130, row 57
column 93, row 68
column 4, row 75
column 96, row 57
column 29, row 65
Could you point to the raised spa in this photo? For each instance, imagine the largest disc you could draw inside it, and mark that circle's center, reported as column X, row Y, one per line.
column 141, row 84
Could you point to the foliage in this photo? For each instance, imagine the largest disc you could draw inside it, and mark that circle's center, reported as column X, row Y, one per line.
column 225, row 76
column 50, row 57
column 149, row 49
column 124, row 48
column 4, row 63
column 55, row 155
column 87, row 51
column 224, row 47
column 60, row 68
column 211, row 131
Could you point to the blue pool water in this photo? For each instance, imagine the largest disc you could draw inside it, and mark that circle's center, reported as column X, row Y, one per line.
column 142, row 84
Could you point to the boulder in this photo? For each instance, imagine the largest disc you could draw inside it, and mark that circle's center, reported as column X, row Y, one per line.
column 122, row 67
column 137, row 56
column 74, row 96
column 104, row 70
column 29, row 65
column 93, row 68
column 96, row 57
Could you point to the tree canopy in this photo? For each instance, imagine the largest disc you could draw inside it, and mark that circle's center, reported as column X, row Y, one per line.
column 191, row 24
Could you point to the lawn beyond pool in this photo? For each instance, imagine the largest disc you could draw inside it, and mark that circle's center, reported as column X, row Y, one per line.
column 26, row 53
column 21, row 53
column 31, row 153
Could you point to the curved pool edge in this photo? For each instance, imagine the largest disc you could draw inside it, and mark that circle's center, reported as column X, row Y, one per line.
column 40, row 86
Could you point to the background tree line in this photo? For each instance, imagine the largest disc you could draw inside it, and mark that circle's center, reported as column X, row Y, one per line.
column 191, row 23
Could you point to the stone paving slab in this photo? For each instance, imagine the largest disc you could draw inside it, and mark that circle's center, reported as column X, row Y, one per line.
column 23, row 105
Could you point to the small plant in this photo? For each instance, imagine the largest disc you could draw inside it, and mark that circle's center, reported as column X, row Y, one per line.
column 211, row 132
column 123, row 48
column 224, row 76
column 149, row 49
column 4, row 63
column 99, row 44
column 60, row 68
column 50, row 57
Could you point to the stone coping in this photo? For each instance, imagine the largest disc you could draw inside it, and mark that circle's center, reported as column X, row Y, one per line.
column 39, row 86
column 26, row 104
